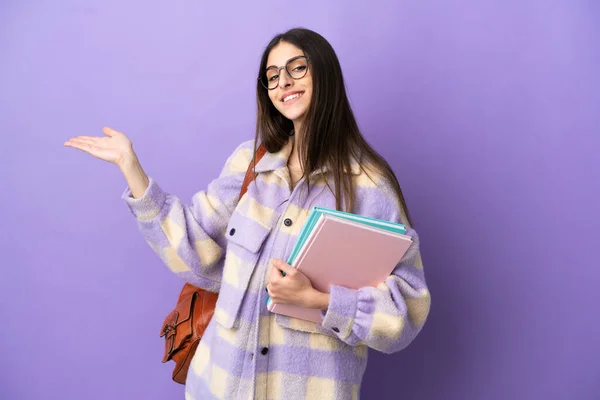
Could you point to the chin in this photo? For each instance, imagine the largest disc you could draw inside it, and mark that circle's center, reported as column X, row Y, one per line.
column 293, row 115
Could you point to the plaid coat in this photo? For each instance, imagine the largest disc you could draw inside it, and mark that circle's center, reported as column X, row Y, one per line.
column 225, row 245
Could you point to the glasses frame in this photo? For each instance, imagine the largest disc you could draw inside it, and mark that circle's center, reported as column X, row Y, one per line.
column 260, row 78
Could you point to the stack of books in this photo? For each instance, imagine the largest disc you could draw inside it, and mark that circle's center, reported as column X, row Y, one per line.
column 345, row 249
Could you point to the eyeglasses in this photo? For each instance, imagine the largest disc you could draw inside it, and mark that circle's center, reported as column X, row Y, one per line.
column 296, row 68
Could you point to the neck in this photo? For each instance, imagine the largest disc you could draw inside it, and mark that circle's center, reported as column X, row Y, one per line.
column 293, row 164
column 294, row 157
column 298, row 124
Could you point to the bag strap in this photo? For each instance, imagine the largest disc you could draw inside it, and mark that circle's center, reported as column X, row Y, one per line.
column 250, row 175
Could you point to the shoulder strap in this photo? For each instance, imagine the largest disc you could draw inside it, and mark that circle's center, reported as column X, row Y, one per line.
column 250, row 175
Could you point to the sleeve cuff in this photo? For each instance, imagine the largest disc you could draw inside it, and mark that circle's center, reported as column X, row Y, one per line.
column 149, row 204
column 340, row 314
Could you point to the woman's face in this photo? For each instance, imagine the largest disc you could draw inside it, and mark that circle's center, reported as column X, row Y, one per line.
column 290, row 96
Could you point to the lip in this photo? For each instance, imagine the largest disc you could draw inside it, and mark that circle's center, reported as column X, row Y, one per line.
column 289, row 94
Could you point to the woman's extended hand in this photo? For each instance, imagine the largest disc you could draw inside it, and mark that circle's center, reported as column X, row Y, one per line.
column 294, row 287
column 115, row 147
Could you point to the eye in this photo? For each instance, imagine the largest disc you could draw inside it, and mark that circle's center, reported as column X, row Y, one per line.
column 300, row 68
column 273, row 78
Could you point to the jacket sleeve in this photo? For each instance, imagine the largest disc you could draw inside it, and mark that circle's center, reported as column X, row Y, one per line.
column 190, row 239
column 386, row 318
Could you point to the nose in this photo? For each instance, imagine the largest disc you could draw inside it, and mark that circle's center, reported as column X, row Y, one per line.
column 284, row 79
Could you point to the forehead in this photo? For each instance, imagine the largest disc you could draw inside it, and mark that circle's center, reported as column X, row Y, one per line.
column 283, row 52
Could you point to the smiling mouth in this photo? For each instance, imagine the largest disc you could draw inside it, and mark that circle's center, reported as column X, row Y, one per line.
column 289, row 99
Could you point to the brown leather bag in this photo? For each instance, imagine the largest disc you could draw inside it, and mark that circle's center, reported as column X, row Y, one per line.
column 184, row 326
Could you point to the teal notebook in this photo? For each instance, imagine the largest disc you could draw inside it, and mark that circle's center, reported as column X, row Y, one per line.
column 316, row 212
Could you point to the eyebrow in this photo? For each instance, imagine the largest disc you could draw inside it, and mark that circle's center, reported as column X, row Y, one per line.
column 298, row 55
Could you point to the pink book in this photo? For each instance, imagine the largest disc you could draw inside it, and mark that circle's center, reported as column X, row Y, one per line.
column 345, row 253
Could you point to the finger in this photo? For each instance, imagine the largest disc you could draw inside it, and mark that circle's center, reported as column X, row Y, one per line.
column 109, row 131
column 274, row 273
column 269, row 291
column 275, row 277
column 80, row 139
column 85, row 140
column 284, row 267
column 88, row 148
column 80, row 145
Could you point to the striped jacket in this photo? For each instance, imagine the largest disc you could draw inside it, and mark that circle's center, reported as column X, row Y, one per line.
column 225, row 245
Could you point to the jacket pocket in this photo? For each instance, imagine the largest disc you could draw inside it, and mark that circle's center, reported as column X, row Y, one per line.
column 245, row 240
column 302, row 325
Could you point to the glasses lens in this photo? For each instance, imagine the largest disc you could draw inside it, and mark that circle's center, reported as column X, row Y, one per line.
column 271, row 78
column 297, row 68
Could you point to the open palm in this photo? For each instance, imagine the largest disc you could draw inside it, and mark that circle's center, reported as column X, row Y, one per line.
column 113, row 147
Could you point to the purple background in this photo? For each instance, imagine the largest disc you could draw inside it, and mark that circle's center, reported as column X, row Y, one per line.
column 487, row 110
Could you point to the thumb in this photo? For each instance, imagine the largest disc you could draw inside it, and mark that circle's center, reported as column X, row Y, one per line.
column 110, row 132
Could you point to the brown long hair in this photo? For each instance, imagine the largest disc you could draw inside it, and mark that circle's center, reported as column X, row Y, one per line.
column 330, row 136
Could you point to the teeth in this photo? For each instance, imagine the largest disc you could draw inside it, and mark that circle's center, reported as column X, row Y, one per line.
column 288, row 98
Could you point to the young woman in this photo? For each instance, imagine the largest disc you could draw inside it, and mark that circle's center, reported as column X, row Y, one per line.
column 316, row 155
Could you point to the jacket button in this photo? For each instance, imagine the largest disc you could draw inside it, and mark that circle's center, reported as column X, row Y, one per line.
column 287, row 222
column 264, row 351
column 336, row 330
column 232, row 232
